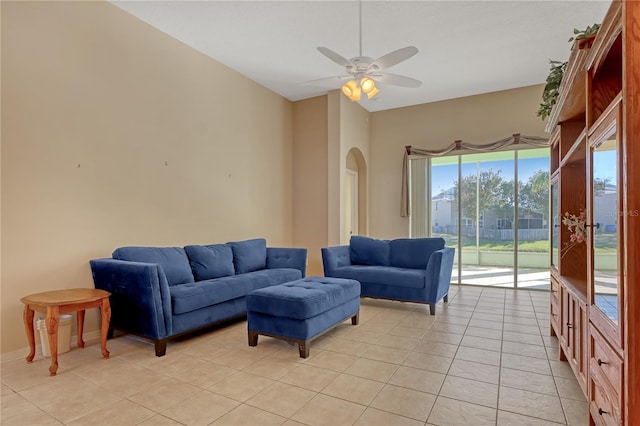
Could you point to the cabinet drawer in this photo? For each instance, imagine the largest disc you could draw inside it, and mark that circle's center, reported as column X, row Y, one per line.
column 607, row 361
column 604, row 404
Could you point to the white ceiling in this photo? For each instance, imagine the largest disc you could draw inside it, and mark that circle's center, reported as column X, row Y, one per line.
column 465, row 47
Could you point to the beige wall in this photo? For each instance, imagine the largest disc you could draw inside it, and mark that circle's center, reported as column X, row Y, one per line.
column 479, row 119
column 310, row 183
column 113, row 134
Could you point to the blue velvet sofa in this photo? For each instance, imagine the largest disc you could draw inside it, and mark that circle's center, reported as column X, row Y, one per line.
column 164, row 292
column 406, row 269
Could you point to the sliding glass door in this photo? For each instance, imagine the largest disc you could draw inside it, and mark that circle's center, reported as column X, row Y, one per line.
column 494, row 209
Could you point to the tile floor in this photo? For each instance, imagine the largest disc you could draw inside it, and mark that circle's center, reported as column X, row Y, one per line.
column 485, row 358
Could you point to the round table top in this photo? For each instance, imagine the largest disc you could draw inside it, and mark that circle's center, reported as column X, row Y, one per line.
column 65, row 297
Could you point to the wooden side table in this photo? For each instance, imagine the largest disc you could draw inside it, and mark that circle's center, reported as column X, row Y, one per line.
column 54, row 303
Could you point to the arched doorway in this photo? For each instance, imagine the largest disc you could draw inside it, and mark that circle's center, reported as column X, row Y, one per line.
column 355, row 196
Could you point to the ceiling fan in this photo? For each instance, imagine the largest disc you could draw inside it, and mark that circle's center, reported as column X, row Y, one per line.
column 364, row 72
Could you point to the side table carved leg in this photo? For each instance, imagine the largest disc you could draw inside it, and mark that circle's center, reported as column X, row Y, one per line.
column 52, row 320
column 105, row 314
column 28, row 325
column 80, row 321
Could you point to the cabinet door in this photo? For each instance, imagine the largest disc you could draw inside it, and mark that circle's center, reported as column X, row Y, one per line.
column 606, row 219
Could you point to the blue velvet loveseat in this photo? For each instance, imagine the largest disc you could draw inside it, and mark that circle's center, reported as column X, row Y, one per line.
column 163, row 292
column 406, row 269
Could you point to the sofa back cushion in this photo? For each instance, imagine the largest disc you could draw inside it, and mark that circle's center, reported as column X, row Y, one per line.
column 413, row 252
column 249, row 255
column 173, row 260
column 211, row 261
column 369, row 251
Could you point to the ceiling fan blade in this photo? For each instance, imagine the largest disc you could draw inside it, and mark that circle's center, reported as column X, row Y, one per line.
column 397, row 80
column 327, row 81
column 395, row 57
column 335, row 57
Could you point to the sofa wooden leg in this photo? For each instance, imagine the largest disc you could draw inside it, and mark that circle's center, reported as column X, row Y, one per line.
column 161, row 347
column 355, row 320
column 253, row 338
column 446, row 298
column 303, row 348
column 432, row 308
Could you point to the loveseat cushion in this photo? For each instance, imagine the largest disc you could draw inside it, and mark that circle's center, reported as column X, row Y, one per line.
column 172, row 260
column 369, row 251
column 413, row 252
column 189, row 297
column 249, row 255
column 211, row 261
column 388, row 275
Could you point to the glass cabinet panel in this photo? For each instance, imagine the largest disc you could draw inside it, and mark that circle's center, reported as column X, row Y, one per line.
column 605, row 217
column 555, row 222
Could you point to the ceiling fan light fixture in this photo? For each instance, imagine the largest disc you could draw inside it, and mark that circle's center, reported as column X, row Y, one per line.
column 351, row 90
column 371, row 93
column 367, row 84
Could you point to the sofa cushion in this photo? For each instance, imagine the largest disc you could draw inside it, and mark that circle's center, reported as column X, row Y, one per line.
column 212, row 261
column 189, row 297
column 388, row 275
column 369, row 251
column 172, row 260
column 249, row 255
column 413, row 252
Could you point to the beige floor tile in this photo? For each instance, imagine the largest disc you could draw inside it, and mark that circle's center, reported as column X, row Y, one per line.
column 534, row 351
column 245, row 415
column 512, row 419
column 331, row 360
column 349, row 347
column 160, row 420
column 481, row 343
column 519, row 362
column 281, row 399
column 576, row 412
column 241, row 386
column 165, row 394
column 398, row 342
column 68, row 397
column 472, row 391
column 374, row 417
column 451, row 412
column 385, row 354
column 491, row 325
column 428, row 362
column 436, row 348
column 561, row 369
column 421, row 380
column 550, row 341
column 569, row 389
column 206, row 375
column 525, row 380
column 442, row 337
column 448, row 328
column 330, row 411
column 15, row 406
column 451, row 319
column 239, row 359
column 201, row 408
column 524, row 329
column 36, row 417
column 475, row 371
column 404, row 402
column 354, row 389
column 518, row 337
column 372, row 369
column 487, row 317
column 310, row 377
column 405, row 331
column 523, row 320
column 272, row 368
column 122, row 377
column 123, row 412
column 531, row 404
column 482, row 356
column 486, row 333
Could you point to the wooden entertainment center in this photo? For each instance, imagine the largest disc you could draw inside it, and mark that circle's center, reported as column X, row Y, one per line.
column 595, row 169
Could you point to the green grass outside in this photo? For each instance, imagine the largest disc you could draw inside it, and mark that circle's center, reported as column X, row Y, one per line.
column 607, row 243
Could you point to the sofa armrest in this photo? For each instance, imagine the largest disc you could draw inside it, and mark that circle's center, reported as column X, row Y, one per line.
column 285, row 257
column 140, row 299
column 335, row 257
column 439, row 271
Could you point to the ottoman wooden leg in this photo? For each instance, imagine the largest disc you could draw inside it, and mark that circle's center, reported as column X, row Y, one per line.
column 355, row 319
column 253, row 338
column 303, row 347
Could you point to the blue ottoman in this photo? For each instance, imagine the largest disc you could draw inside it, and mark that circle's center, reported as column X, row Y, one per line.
column 302, row 310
